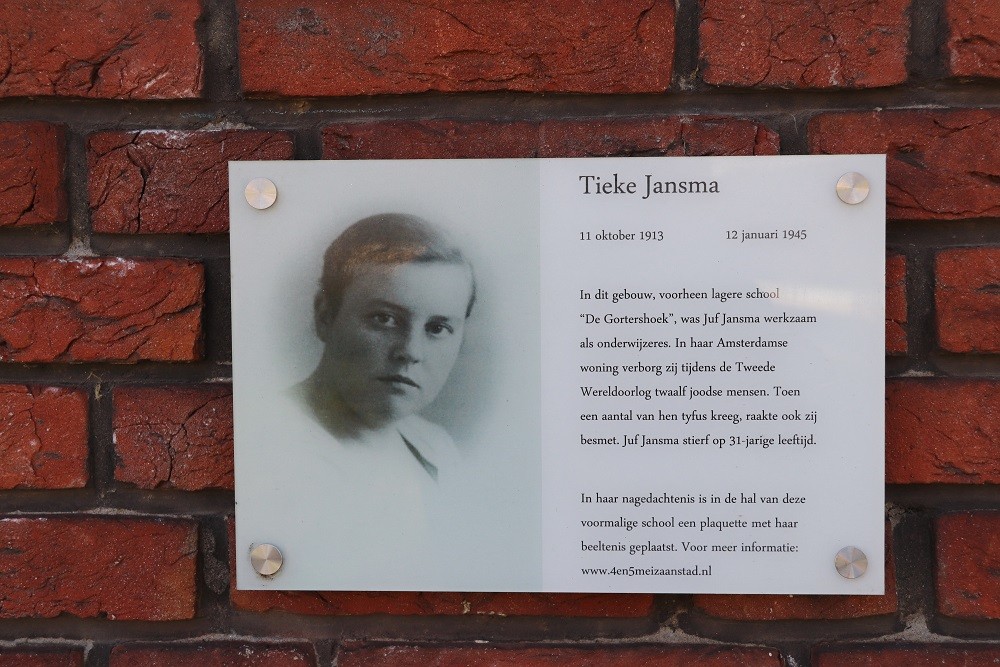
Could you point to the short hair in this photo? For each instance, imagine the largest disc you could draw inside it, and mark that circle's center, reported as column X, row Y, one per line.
column 386, row 238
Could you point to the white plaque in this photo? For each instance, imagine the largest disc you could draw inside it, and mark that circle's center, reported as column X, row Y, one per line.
column 593, row 375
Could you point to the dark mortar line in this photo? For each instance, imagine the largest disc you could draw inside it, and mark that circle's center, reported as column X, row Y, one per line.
column 309, row 144
column 324, row 652
column 127, row 503
column 913, row 552
column 76, row 187
column 967, row 629
column 920, row 324
column 944, row 497
column 87, row 116
column 156, row 246
column 928, row 32
column 212, row 604
column 142, row 373
column 771, row 632
column 685, row 74
column 218, row 33
column 99, row 655
column 916, row 234
column 217, row 313
column 102, row 450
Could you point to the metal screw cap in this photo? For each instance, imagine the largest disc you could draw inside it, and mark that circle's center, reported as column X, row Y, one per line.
column 266, row 559
column 851, row 562
column 261, row 193
column 853, row 188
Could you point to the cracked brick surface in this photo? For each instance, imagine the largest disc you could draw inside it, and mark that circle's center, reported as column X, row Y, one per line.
column 170, row 181
column 370, row 47
column 180, row 437
column 919, row 655
column 108, row 309
column 31, row 174
column 936, row 164
column 792, row 44
column 213, row 655
column 88, row 566
column 973, row 44
column 967, row 299
column 451, row 139
column 31, row 658
column 118, row 49
column 942, row 431
column 968, row 565
column 554, row 656
column 43, row 437
column 895, row 305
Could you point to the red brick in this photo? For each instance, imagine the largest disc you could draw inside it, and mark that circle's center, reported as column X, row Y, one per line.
column 367, row 603
column 109, row 309
column 824, row 44
column 805, row 607
column 664, row 136
column 119, row 568
column 451, row 139
column 554, row 656
column 122, row 49
column 31, row 170
column 916, row 655
column 968, row 565
column 895, row 304
column 967, row 298
column 31, row 658
column 369, row 47
column 942, row 431
column 171, row 182
column 429, row 139
column 43, row 437
column 180, row 437
column 973, row 43
column 227, row 655
column 936, row 165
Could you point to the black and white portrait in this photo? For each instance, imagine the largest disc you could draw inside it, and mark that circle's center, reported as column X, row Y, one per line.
column 386, row 383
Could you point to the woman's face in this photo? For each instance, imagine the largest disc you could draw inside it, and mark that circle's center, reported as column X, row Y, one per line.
column 390, row 347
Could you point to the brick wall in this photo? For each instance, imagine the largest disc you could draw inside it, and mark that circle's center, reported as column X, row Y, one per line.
column 116, row 121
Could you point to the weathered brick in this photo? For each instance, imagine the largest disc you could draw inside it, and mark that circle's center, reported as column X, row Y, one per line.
column 554, row 656
column 180, row 437
column 451, row 139
column 213, row 655
column 936, row 167
column 369, row 47
column 88, row 566
column 895, row 305
column 973, row 43
column 662, row 136
column 367, row 603
column 968, row 565
column 122, row 49
column 171, row 182
column 915, row 655
column 805, row 607
column 31, row 170
column 942, row 431
column 967, row 298
column 40, row 658
column 824, row 44
column 429, row 139
column 109, row 309
column 43, row 437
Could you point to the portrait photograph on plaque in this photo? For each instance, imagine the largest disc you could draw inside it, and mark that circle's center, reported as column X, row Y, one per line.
column 565, row 375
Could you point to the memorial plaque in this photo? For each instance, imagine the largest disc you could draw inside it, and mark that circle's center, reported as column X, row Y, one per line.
column 592, row 375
